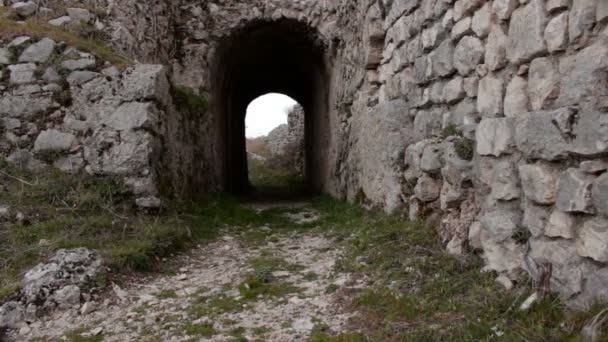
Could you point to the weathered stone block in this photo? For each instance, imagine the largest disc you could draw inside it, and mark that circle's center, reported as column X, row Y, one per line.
column 22, row 73
column 574, row 192
column 504, row 8
column 600, row 194
column 560, row 225
column 556, row 33
column 505, row 181
column 427, row 189
column 539, row 182
column 526, row 32
column 496, row 49
column 535, row 218
column 431, row 160
column 490, row 96
column 592, row 240
column 538, row 138
column 453, row 90
column 441, row 59
column 468, row 54
column 54, row 141
column 482, row 20
column 495, row 136
column 516, row 98
column 38, row 52
column 543, row 82
column 462, row 28
column 581, row 19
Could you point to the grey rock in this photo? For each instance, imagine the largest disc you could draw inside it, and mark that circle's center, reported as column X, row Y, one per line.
column 543, row 82
column 567, row 272
column 482, row 20
column 25, row 9
column 22, row 73
column 537, row 137
column 148, row 202
column 539, row 182
column 10, row 123
column 560, row 225
column 67, row 297
column 60, row 21
column 12, row 315
column 79, row 64
column 461, row 29
column 25, row 159
column 505, row 181
column 496, row 49
column 110, row 71
column 427, row 189
column 490, row 102
column 556, row 33
column 5, row 56
column 67, row 267
column 453, row 90
column 600, row 194
column 146, row 81
column 53, row 140
column 504, row 8
column 495, row 136
column 134, row 115
column 25, row 106
column 536, row 218
column 590, row 134
column 592, row 240
column 431, row 160
column 601, row 11
column 516, row 97
column 581, row 19
column 79, row 15
column 432, row 36
column 51, row 76
column 468, row 54
column 71, row 164
column 81, row 77
column 441, row 59
column 19, row 41
column 39, row 52
column 574, row 192
column 500, row 225
column 526, row 32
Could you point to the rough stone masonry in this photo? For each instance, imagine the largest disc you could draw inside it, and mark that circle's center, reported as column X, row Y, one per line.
column 493, row 113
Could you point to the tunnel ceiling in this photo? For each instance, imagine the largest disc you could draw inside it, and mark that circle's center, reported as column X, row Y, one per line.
column 284, row 56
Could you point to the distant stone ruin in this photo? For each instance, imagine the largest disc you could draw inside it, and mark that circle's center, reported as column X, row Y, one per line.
column 491, row 114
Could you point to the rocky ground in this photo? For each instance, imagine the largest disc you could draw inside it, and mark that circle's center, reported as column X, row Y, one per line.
column 279, row 290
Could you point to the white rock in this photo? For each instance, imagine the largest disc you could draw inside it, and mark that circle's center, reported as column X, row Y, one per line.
column 79, row 15
column 539, row 182
column 22, row 73
column 560, row 225
column 526, row 32
column 495, row 136
column 496, row 49
column 543, row 82
column 490, row 100
column 593, row 240
column 516, row 98
column 504, row 8
column 60, row 21
column 556, row 33
column 482, row 20
column 39, row 52
column 54, row 140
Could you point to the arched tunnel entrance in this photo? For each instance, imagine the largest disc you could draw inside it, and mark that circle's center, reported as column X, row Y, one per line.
column 284, row 56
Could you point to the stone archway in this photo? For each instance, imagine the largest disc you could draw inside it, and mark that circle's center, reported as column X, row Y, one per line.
column 284, row 56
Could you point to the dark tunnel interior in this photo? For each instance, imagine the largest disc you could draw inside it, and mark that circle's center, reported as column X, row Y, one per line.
column 284, row 57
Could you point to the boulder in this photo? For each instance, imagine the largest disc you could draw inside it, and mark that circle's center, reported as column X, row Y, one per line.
column 25, row 9
column 67, row 297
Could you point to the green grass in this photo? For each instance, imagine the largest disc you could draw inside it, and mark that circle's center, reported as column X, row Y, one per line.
column 420, row 293
column 261, row 175
column 199, row 330
column 166, row 294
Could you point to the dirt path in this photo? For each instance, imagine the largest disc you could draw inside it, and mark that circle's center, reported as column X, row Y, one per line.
column 228, row 290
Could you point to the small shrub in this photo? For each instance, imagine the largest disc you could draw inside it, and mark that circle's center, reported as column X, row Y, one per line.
column 451, row 130
column 465, row 149
column 186, row 99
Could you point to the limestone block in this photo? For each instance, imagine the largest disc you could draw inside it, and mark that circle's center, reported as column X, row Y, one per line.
column 537, row 137
column 592, row 240
column 543, row 82
column 600, row 194
column 561, row 225
column 496, row 49
column 427, row 189
column 490, row 102
column 495, row 136
column 453, row 90
column 482, row 20
column 504, row 8
column 441, row 59
column 535, row 218
column 516, row 98
column 526, row 32
column 556, row 33
column 574, row 192
column 54, row 141
column 505, row 181
column 462, row 28
column 468, row 54
column 22, row 73
column 539, row 182
column 431, row 160
column 39, row 52
column 581, row 18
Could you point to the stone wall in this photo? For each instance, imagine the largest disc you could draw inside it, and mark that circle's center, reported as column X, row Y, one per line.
column 490, row 113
